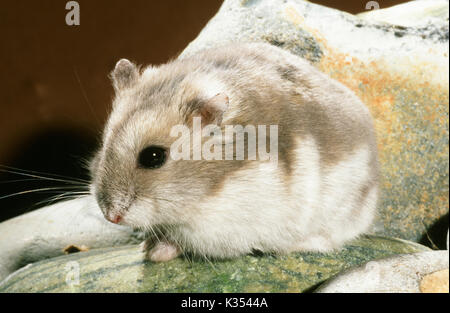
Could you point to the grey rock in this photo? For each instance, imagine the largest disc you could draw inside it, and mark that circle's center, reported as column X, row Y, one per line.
column 411, row 14
column 397, row 274
column 123, row 269
column 46, row 232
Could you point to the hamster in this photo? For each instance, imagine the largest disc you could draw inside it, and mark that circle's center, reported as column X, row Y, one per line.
column 320, row 192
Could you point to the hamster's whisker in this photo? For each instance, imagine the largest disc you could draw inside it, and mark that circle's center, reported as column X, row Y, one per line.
column 83, row 92
column 85, row 163
column 161, row 233
column 63, row 196
column 156, row 198
column 20, row 180
column 73, row 182
column 37, row 172
column 20, row 171
column 154, row 233
column 55, row 189
column 204, row 256
column 185, row 253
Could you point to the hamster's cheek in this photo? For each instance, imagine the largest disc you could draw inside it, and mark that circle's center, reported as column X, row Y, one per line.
column 131, row 220
column 140, row 217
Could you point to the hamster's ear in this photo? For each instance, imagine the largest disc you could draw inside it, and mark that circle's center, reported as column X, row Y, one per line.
column 212, row 110
column 124, row 74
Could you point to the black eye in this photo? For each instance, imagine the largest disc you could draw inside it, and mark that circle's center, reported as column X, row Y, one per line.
column 152, row 157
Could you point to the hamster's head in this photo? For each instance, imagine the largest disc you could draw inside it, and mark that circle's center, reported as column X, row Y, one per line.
column 135, row 179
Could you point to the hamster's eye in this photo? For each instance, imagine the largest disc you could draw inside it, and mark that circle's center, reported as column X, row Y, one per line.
column 152, row 157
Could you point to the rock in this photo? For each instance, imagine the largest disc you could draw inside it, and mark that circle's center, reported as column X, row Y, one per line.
column 436, row 282
column 122, row 269
column 400, row 71
column 410, row 14
column 400, row 273
column 58, row 229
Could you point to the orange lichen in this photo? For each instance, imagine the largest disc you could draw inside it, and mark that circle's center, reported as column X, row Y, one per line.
column 293, row 16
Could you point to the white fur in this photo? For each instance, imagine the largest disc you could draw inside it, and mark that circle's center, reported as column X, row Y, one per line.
column 258, row 209
column 317, row 206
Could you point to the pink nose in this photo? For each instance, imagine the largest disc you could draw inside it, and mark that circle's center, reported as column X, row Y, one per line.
column 115, row 219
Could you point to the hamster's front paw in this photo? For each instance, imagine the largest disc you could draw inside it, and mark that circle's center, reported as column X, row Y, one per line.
column 161, row 251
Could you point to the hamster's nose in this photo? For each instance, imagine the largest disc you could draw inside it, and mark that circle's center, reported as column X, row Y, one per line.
column 115, row 218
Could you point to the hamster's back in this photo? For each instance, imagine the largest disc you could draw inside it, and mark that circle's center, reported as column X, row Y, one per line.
column 321, row 192
column 327, row 146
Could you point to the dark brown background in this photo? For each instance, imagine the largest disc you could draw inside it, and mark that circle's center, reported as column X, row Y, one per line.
column 54, row 90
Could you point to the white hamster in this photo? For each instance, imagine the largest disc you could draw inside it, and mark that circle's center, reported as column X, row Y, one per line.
column 321, row 191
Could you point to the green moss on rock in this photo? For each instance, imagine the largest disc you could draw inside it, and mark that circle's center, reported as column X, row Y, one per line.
column 124, row 270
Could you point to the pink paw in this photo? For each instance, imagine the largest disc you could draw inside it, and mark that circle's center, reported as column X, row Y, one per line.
column 162, row 251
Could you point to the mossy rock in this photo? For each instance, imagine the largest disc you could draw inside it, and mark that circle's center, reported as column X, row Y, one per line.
column 124, row 270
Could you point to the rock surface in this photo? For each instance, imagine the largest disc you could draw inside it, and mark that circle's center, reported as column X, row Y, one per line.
column 400, row 273
column 411, row 14
column 123, row 270
column 47, row 232
column 436, row 282
column 400, row 71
